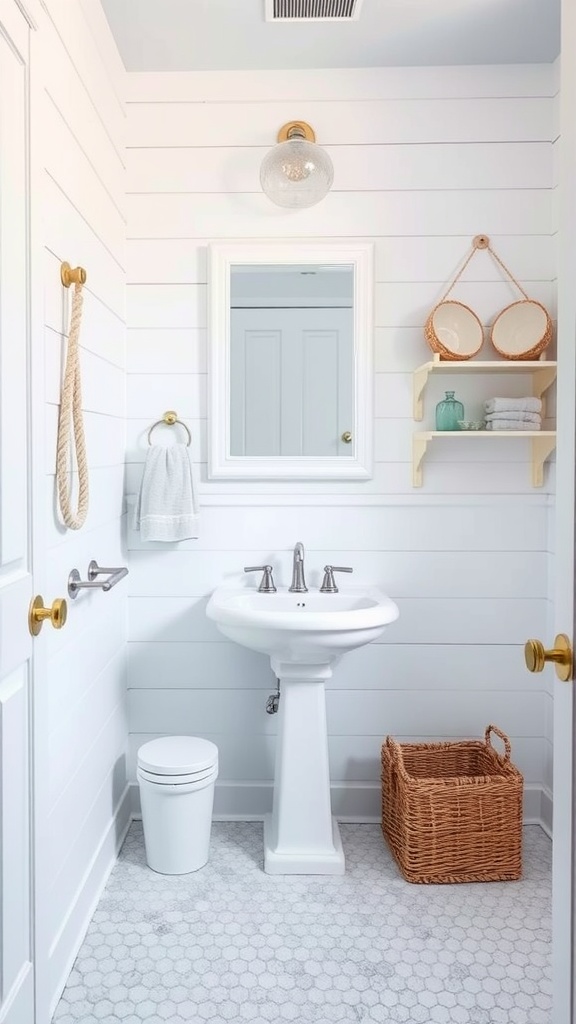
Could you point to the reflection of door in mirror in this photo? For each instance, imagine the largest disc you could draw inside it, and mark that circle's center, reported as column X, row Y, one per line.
column 291, row 360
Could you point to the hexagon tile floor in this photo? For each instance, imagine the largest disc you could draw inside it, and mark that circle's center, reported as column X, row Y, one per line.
column 229, row 943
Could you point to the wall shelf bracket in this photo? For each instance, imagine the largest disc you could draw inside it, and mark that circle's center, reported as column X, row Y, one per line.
column 419, row 446
column 420, row 380
column 542, row 448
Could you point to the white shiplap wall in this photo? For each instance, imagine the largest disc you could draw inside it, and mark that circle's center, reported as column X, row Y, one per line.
column 78, row 134
column 424, row 160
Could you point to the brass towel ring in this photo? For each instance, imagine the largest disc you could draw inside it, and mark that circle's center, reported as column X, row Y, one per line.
column 170, row 418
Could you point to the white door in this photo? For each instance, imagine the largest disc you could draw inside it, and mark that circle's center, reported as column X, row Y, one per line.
column 291, row 381
column 16, row 933
column 563, row 547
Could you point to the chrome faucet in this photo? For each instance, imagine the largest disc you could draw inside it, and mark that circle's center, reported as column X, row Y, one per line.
column 298, row 582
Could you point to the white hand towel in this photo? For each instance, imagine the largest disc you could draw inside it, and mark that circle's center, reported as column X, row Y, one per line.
column 166, row 508
column 511, row 425
column 528, row 404
column 520, row 417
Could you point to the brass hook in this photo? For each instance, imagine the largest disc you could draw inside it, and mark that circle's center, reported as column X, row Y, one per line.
column 70, row 276
column 481, row 242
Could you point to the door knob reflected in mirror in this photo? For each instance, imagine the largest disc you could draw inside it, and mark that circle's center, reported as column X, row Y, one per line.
column 560, row 655
column 37, row 614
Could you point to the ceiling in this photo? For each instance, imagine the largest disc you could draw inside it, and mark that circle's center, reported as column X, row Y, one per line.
column 228, row 35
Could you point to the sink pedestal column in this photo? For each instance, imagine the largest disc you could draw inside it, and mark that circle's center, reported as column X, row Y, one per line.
column 300, row 835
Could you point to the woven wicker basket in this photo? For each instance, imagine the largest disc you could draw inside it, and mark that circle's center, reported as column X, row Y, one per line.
column 539, row 344
column 452, row 812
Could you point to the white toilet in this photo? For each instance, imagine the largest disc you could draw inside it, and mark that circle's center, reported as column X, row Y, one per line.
column 176, row 777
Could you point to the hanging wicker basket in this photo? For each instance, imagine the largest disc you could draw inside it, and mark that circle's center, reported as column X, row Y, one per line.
column 523, row 330
column 454, row 331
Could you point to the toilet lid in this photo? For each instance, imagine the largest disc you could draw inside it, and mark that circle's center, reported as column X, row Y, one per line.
column 177, row 755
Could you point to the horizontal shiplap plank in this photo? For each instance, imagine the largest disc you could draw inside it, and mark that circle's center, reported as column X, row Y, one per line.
column 167, row 306
column 211, row 667
column 449, row 528
column 67, row 164
column 82, row 719
column 149, row 395
column 68, row 236
column 361, row 713
column 396, row 304
column 158, row 351
column 408, row 304
column 495, row 80
column 103, row 383
column 394, row 213
column 389, row 480
column 66, row 89
column 399, row 573
column 104, row 437
column 421, row 621
column 399, row 258
column 371, row 122
column 84, row 815
column 97, row 74
column 93, row 640
column 106, row 506
column 351, row 758
column 221, row 666
column 439, row 166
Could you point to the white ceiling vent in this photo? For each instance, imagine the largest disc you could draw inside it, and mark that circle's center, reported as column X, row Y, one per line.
column 313, row 10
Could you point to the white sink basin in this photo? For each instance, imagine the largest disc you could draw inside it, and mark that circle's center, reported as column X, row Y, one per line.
column 310, row 628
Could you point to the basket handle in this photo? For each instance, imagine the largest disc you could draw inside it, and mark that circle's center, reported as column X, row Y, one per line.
column 503, row 737
column 396, row 754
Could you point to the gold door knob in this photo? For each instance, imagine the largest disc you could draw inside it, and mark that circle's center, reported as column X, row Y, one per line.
column 536, row 656
column 37, row 613
column 347, row 437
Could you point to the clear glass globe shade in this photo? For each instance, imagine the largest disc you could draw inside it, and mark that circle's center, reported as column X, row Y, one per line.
column 296, row 173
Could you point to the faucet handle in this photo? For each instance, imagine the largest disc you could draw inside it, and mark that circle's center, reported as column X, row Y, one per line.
column 328, row 583
column 267, row 582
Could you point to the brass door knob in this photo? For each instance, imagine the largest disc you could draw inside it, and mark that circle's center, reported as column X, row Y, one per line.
column 37, row 613
column 346, row 437
column 536, row 656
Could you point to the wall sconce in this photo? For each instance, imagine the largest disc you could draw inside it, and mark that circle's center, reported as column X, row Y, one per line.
column 296, row 173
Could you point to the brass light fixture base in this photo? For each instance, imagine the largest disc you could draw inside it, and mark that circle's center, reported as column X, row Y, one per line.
column 300, row 128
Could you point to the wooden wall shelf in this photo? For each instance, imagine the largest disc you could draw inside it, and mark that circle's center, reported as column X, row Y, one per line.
column 543, row 375
column 543, row 443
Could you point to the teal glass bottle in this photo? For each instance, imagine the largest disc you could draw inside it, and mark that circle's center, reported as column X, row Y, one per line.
column 448, row 412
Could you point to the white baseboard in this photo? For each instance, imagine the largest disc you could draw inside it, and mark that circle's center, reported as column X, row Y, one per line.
column 65, row 947
column 351, row 802
column 546, row 805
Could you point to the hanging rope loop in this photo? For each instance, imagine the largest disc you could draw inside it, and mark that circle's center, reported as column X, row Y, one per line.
column 71, row 415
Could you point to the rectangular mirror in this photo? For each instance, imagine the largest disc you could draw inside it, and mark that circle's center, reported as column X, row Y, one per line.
column 290, row 340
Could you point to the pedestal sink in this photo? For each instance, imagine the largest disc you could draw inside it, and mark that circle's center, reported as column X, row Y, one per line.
column 302, row 634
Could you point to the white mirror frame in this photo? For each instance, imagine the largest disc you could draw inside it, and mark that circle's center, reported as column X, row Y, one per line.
column 221, row 257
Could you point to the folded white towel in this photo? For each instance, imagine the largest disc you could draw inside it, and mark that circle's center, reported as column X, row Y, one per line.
column 528, row 404
column 518, row 417
column 166, row 508
column 511, row 425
